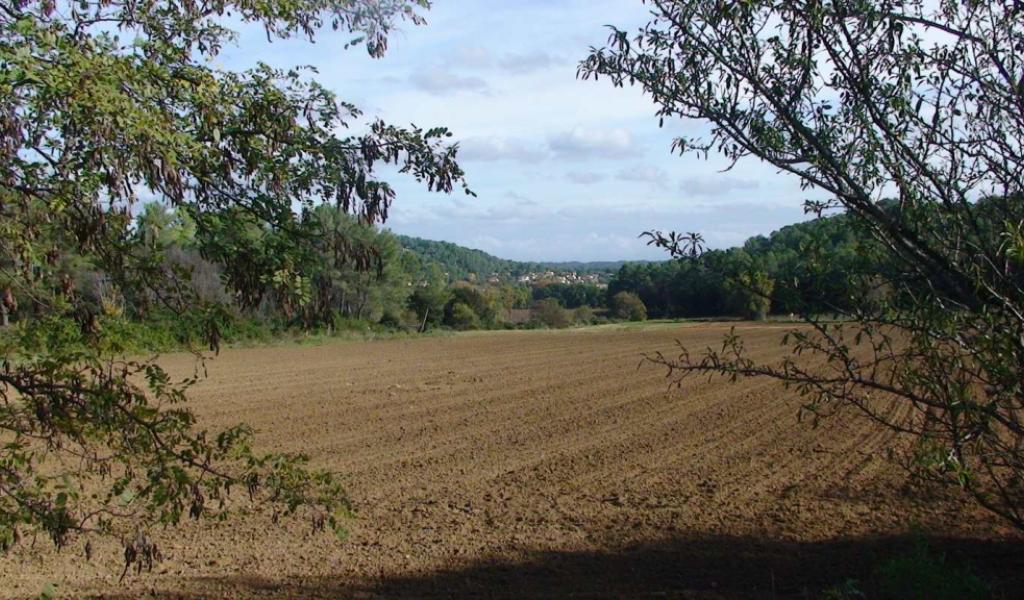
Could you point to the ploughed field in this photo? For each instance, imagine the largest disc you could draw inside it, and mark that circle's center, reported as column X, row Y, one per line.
column 538, row 464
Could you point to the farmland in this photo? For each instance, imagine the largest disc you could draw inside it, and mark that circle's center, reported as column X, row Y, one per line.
column 535, row 464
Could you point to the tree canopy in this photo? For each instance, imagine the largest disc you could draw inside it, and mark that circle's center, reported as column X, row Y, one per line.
column 459, row 261
column 106, row 103
column 813, row 267
column 863, row 101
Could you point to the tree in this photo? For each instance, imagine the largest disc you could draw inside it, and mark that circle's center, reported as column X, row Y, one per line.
column 812, row 266
column 430, row 297
column 584, row 315
column 570, row 295
column 158, row 225
column 864, row 100
column 362, row 289
column 514, row 296
column 629, row 306
column 105, row 102
column 461, row 316
column 753, row 293
column 549, row 312
column 481, row 302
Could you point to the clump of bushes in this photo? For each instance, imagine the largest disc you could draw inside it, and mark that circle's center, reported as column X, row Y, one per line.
column 921, row 574
column 628, row 306
column 460, row 316
column 549, row 313
column 584, row 315
column 918, row 574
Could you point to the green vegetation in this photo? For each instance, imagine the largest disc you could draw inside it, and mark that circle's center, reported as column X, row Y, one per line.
column 921, row 574
column 461, row 316
column 107, row 102
column 352, row 275
column 462, row 263
column 859, row 101
column 812, row 265
column 915, row 574
column 628, row 306
column 809, row 267
column 572, row 295
column 458, row 262
column 816, row 264
column 549, row 313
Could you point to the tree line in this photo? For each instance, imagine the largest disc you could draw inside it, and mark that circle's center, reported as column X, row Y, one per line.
column 805, row 267
column 357, row 275
column 460, row 262
column 351, row 275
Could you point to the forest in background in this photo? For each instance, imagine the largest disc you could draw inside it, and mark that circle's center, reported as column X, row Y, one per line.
column 820, row 267
column 460, row 262
column 412, row 284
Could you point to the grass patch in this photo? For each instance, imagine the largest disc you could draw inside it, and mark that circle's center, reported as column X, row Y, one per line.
column 919, row 573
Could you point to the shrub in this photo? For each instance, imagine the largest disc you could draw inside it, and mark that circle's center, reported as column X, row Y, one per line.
column 481, row 302
column 923, row 575
column 629, row 306
column 392, row 320
column 462, row 317
column 550, row 313
column 584, row 315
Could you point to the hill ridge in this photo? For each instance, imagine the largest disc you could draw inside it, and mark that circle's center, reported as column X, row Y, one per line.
column 460, row 260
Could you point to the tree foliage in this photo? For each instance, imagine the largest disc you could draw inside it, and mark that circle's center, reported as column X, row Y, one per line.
column 549, row 313
column 864, row 100
column 365, row 289
column 459, row 262
column 814, row 267
column 629, row 306
column 753, row 292
column 102, row 103
column 461, row 316
column 571, row 295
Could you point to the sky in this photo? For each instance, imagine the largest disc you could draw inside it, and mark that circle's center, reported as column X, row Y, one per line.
column 563, row 169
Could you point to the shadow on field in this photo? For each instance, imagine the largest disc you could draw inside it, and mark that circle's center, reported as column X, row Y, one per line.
column 701, row 567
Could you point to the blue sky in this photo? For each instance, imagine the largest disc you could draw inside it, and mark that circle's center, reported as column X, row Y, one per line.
column 564, row 169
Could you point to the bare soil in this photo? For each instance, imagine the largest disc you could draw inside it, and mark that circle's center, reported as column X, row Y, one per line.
column 535, row 465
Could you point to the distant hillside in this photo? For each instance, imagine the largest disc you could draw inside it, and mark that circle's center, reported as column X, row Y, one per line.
column 592, row 266
column 456, row 260
column 459, row 261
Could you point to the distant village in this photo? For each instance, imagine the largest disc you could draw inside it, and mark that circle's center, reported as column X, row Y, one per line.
column 568, row 277
column 542, row 278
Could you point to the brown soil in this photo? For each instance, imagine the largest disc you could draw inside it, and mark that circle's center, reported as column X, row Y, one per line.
column 539, row 464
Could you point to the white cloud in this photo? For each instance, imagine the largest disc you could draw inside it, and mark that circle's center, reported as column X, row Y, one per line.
column 517, row 63
column 473, row 57
column 645, row 173
column 492, row 148
column 512, row 100
column 581, row 143
column 442, row 82
column 526, row 62
column 717, row 186
column 514, row 195
column 584, row 177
